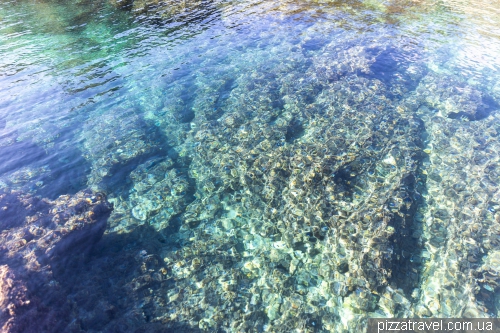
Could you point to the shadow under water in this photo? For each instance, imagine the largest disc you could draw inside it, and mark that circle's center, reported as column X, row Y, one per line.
column 66, row 171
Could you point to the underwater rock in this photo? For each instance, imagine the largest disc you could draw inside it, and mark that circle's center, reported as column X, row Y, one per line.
column 158, row 192
column 35, row 251
column 114, row 147
column 200, row 210
column 14, row 301
column 459, row 223
column 264, row 180
column 454, row 98
column 54, row 227
column 167, row 9
column 300, row 200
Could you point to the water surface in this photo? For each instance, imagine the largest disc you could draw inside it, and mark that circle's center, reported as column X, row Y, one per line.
column 274, row 166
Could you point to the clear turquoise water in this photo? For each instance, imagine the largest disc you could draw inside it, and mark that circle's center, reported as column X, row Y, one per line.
column 276, row 142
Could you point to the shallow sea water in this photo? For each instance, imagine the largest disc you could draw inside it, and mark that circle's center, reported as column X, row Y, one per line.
column 274, row 166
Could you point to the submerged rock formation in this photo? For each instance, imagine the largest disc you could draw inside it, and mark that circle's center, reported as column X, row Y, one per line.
column 39, row 240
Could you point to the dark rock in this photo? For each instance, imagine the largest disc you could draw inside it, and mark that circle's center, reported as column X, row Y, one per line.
column 13, row 298
column 41, row 239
